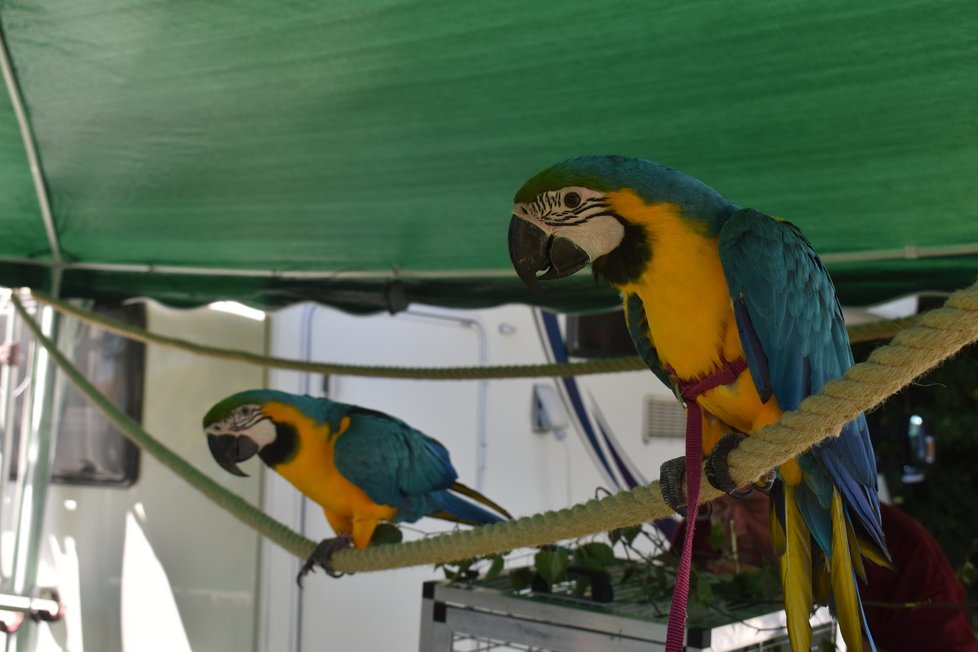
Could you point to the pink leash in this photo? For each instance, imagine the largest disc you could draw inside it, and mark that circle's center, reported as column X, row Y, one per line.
column 725, row 375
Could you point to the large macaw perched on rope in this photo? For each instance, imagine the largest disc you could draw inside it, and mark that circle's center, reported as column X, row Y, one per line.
column 363, row 467
column 733, row 309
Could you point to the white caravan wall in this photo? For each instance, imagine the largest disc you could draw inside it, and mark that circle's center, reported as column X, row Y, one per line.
column 525, row 472
column 185, row 571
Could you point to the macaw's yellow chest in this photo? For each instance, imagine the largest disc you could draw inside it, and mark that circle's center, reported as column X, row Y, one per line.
column 312, row 469
column 688, row 308
column 682, row 287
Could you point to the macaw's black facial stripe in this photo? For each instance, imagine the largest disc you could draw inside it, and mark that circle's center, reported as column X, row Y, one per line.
column 628, row 261
column 546, row 202
column 283, row 448
column 571, row 219
column 590, row 204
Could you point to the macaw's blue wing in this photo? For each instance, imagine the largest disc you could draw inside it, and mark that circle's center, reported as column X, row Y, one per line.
column 795, row 341
column 794, row 338
column 637, row 320
column 397, row 465
column 389, row 459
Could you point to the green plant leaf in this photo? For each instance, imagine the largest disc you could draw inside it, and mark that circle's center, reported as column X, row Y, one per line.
column 386, row 533
column 715, row 540
column 551, row 564
column 968, row 574
column 594, row 556
column 521, row 578
column 457, row 571
column 581, row 584
column 629, row 573
column 496, row 567
column 704, row 592
column 626, row 535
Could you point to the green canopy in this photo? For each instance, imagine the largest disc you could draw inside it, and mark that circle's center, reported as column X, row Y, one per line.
column 364, row 153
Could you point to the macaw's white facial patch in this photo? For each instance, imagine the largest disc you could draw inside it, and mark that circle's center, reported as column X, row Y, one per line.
column 599, row 236
column 262, row 433
column 248, row 421
column 579, row 214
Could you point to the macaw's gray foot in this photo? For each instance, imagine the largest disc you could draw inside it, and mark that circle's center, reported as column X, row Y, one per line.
column 672, row 476
column 718, row 471
column 323, row 556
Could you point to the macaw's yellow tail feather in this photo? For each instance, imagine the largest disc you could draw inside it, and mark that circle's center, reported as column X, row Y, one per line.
column 871, row 551
column 796, row 573
column 847, row 606
column 823, row 583
column 469, row 492
column 777, row 531
column 860, row 546
column 851, row 543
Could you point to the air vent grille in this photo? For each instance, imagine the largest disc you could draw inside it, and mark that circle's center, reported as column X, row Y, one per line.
column 665, row 418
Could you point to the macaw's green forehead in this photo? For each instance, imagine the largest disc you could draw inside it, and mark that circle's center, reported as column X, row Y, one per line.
column 249, row 397
column 652, row 182
column 601, row 173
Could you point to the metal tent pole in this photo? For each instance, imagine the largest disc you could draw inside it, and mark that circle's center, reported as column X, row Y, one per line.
column 37, row 447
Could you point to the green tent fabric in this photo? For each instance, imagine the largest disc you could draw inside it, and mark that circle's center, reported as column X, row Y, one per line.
column 364, row 153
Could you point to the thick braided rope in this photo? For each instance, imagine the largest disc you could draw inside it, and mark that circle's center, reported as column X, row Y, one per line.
column 860, row 333
column 938, row 335
column 877, row 331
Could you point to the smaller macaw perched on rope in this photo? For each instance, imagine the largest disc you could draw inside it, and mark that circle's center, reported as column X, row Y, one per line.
column 363, row 467
column 733, row 309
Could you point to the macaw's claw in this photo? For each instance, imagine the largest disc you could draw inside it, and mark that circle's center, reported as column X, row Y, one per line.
column 717, row 470
column 672, row 476
column 323, row 556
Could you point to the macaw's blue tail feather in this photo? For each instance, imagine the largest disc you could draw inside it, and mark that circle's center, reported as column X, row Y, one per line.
column 848, row 459
column 815, row 515
column 450, row 507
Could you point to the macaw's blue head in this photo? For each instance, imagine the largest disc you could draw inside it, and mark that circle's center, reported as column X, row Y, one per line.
column 566, row 216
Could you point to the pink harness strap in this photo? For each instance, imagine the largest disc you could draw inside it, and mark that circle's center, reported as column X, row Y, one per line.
column 690, row 390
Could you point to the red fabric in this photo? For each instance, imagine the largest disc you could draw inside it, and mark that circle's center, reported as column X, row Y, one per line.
column 923, row 575
column 676, row 630
column 690, row 391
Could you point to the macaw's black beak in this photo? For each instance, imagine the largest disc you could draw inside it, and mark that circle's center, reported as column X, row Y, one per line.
column 532, row 250
column 228, row 450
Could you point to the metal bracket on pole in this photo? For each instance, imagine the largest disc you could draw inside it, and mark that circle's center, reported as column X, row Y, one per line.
column 14, row 609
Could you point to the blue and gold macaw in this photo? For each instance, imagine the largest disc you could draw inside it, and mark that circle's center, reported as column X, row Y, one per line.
column 707, row 285
column 363, row 467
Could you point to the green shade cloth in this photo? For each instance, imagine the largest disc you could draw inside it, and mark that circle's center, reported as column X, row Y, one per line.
column 377, row 145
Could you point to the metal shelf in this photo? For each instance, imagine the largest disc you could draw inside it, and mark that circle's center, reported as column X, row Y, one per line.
column 491, row 616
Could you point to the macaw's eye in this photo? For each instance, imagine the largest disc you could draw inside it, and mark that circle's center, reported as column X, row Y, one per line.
column 572, row 200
